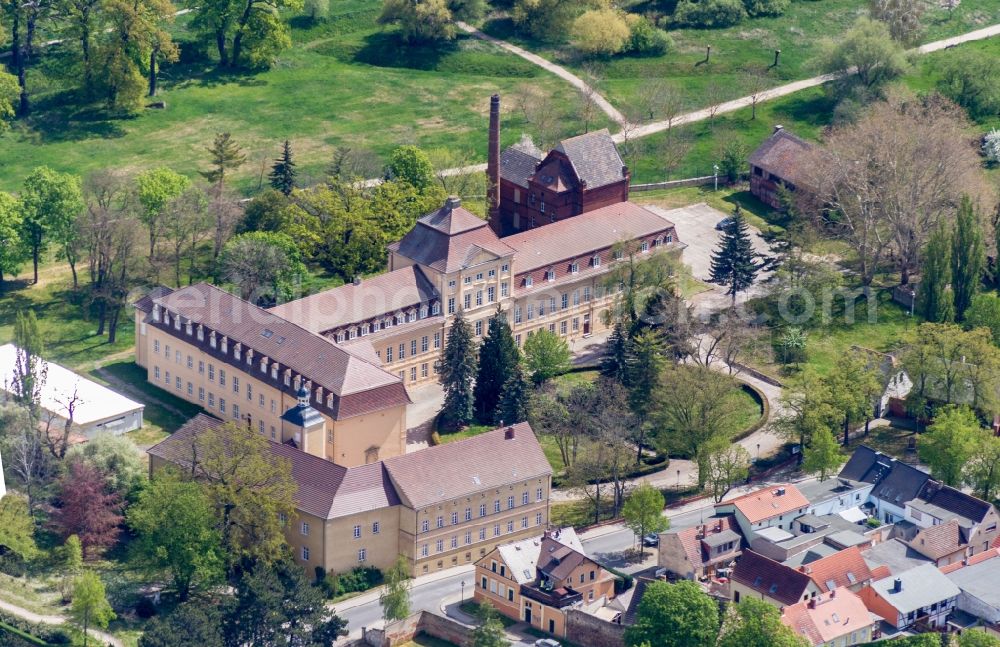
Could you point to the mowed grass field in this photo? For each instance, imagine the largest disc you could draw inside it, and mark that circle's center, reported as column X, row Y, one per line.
column 797, row 33
column 344, row 82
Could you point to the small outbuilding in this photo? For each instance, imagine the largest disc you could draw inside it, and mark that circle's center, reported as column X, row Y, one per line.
column 778, row 162
column 66, row 395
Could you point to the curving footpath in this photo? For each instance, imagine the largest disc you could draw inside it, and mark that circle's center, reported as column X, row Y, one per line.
column 103, row 638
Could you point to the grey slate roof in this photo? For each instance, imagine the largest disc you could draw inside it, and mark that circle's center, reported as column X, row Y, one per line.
column 594, row 157
column 980, row 580
column 894, row 482
column 518, row 162
column 922, row 587
column 946, row 502
column 325, row 490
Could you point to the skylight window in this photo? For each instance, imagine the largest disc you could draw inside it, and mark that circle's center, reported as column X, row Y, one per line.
column 279, row 340
column 267, row 333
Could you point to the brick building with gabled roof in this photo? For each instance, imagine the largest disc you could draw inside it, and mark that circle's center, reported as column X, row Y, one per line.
column 780, row 161
column 770, row 507
column 845, row 569
column 697, row 552
column 771, row 581
column 838, row 617
column 438, row 507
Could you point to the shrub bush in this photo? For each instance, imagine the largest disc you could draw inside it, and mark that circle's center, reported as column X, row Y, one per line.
column 991, row 146
column 45, row 633
column 361, row 578
column 646, row 39
column 709, row 13
column 600, row 32
column 765, row 7
column 623, row 581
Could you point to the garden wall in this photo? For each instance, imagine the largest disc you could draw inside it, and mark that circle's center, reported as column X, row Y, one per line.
column 585, row 629
column 424, row 622
column 674, row 184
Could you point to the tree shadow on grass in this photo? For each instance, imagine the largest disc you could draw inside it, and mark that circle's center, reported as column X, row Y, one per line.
column 815, row 110
column 387, row 49
column 58, row 120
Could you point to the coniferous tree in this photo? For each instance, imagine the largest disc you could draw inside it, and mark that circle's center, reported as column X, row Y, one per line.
column 458, row 372
column 498, row 355
column 283, row 172
column 513, row 405
column 935, row 297
column 226, row 156
column 968, row 258
column 734, row 263
column 615, row 363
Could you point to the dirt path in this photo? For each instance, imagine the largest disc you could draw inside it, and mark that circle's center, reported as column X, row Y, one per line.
column 137, row 394
column 549, row 66
column 30, row 616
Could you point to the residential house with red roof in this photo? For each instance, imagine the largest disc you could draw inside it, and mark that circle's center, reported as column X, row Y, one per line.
column 837, row 618
column 536, row 580
column 438, row 507
column 765, row 579
column 846, row 569
column 771, row 507
column 698, row 552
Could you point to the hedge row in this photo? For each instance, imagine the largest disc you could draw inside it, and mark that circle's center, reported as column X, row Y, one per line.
column 20, row 631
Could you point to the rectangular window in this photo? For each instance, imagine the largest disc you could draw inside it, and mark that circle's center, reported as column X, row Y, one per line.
column 517, row 314
column 454, row 518
column 413, row 347
column 236, row 385
column 439, row 545
column 190, row 389
column 482, row 534
column 510, row 527
column 562, row 327
column 211, row 399
column 538, row 494
column 576, row 324
column 376, row 527
column 222, row 405
column 211, row 372
column 305, row 553
column 454, row 541
column 249, row 392
column 423, row 344
column 510, row 503
column 504, row 289
column 496, row 530
column 482, row 509
column 424, row 551
column 531, row 311
column 413, row 373
column 491, row 294
column 362, row 555
column 304, row 529
column 440, row 522
column 437, row 340
column 586, row 294
column 524, row 498
column 260, row 400
column 190, row 362
column 177, row 357
column 468, row 514
column 524, row 522
column 538, row 519
column 496, row 505
column 479, row 276
column 236, row 411
column 528, row 281
column 423, row 370
column 425, row 526
column 388, row 354
column 468, row 301
column 505, row 267
column 156, row 345
column 479, row 328
column 156, row 372
column 468, row 537
column 492, row 273
column 467, row 280
column 451, row 305
column 260, row 426
column 222, row 377
column 177, row 383
column 357, row 532
column 402, row 351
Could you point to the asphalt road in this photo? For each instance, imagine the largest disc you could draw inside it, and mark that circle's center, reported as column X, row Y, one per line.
column 606, row 548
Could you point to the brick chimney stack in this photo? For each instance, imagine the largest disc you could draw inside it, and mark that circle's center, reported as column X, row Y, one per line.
column 493, row 167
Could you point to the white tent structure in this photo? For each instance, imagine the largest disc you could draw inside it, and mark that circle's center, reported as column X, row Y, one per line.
column 95, row 408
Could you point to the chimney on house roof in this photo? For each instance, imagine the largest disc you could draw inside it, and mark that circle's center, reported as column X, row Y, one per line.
column 897, row 585
column 493, row 167
column 812, row 603
column 453, row 202
column 509, row 434
column 778, row 127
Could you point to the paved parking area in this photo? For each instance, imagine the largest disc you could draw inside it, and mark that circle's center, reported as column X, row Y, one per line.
column 696, row 228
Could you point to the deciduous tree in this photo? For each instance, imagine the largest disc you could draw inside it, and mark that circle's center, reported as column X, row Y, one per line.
column 985, row 313
column 546, row 355
column 249, row 488
column 264, row 265
column 643, row 511
column 901, row 17
column 822, row 455
column 138, row 40
column 968, row 257
column 395, row 596
column 50, row 204
column 600, row 32
column 935, row 296
column 193, row 623
column 970, row 78
column 90, row 604
column 156, row 188
column 755, row 623
column 728, row 465
column 674, row 615
column 12, row 249
column 117, row 458
column 853, row 385
column 175, row 525
column 87, row 509
column 8, row 96
column 866, row 54
column 949, row 443
column 982, row 472
column 489, row 632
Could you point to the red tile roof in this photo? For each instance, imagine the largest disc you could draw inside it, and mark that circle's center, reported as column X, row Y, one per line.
column 449, row 239
column 465, row 467
column 978, row 558
column 581, row 235
column 325, row 490
column 691, row 542
column 841, row 570
column 939, row 541
column 766, row 503
column 827, row 617
column 359, row 386
column 770, row 578
column 881, row 572
column 378, row 296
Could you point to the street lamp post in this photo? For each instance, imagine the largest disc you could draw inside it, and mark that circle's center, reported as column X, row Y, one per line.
column 715, row 175
column 758, row 452
column 678, row 479
column 463, row 592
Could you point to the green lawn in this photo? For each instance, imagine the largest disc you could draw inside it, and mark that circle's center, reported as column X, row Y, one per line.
column 624, row 79
column 472, row 608
column 344, row 82
column 423, row 640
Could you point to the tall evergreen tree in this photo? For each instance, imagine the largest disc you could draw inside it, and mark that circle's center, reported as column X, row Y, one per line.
column 513, row 405
column 615, row 363
column 283, row 172
column 644, row 377
column 226, row 156
column 968, row 257
column 498, row 355
column 935, row 297
column 458, row 372
column 30, row 370
column 734, row 263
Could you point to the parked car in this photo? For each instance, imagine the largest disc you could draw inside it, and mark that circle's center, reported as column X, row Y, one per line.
column 546, row 642
column 723, row 224
column 652, row 539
